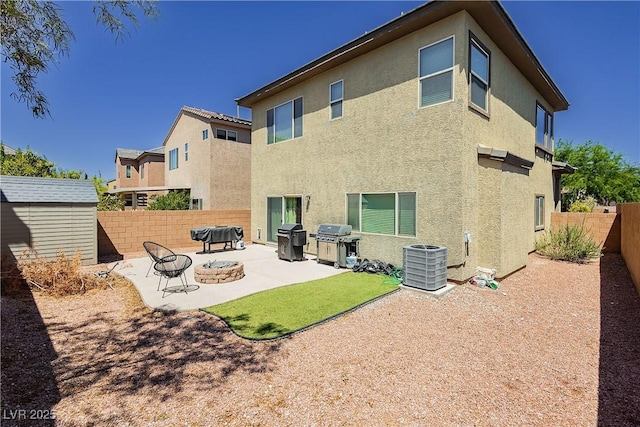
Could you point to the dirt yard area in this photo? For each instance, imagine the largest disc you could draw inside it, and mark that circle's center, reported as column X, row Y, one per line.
column 557, row 344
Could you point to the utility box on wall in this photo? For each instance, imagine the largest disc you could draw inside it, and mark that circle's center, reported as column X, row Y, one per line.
column 425, row 267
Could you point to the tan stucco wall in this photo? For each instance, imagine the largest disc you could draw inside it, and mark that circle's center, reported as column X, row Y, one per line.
column 386, row 143
column 217, row 171
column 121, row 173
column 153, row 171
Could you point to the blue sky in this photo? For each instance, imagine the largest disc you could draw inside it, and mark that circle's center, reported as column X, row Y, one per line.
column 205, row 54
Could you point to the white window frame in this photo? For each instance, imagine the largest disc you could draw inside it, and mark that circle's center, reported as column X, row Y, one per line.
column 339, row 100
column 539, row 212
column 173, row 157
column 227, row 134
column 396, row 211
column 451, row 69
column 473, row 41
column 293, row 120
column 186, row 151
column 127, row 171
column 205, row 134
column 547, row 136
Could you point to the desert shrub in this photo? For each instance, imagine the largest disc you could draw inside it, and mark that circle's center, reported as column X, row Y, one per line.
column 59, row 277
column 175, row 200
column 579, row 206
column 569, row 243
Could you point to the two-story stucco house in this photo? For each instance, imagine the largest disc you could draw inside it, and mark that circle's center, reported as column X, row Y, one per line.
column 435, row 128
column 210, row 154
column 139, row 174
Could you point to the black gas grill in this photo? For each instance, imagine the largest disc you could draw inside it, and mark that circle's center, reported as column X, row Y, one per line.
column 334, row 243
column 291, row 241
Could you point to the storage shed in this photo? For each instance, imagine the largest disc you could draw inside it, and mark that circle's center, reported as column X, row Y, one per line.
column 50, row 215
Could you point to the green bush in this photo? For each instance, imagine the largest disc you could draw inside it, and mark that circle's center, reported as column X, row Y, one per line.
column 571, row 243
column 172, row 201
column 579, row 206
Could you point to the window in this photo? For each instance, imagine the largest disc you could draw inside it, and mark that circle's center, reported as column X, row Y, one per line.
column 205, row 134
column 282, row 210
column 173, row 159
column 539, row 213
column 231, row 135
column 128, row 171
column 186, row 151
column 196, row 204
column 142, row 171
column 479, row 74
column 335, row 99
column 436, row 72
column 383, row 213
column 284, row 121
column 544, row 127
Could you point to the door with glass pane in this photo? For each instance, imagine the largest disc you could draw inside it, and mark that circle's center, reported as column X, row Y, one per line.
column 282, row 210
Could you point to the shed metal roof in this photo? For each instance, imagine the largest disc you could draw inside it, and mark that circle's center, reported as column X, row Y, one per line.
column 27, row 189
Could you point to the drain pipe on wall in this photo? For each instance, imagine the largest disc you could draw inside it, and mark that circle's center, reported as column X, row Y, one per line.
column 467, row 241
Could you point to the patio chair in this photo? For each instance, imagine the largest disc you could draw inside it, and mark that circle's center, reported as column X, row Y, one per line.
column 157, row 253
column 171, row 267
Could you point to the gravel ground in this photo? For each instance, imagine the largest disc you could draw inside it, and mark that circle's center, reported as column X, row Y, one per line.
column 556, row 345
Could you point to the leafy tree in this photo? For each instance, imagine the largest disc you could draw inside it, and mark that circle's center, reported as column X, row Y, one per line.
column 175, row 200
column 106, row 201
column 30, row 163
column 34, row 35
column 600, row 173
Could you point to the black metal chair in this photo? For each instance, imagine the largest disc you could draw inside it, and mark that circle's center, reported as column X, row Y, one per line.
column 157, row 253
column 171, row 267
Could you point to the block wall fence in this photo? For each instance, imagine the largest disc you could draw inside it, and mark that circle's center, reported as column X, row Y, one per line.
column 617, row 232
column 122, row 233
column 604, row 227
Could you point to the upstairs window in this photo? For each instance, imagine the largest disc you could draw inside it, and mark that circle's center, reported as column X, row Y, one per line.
column 230, row 135
column 335, row 99
column 479, row 75
column 436, row 72
column 186, row 151
column 173, row 159
column 142, row 170
column 544, row 127
column 205, row 134
column 128, row 171
column 284, row 121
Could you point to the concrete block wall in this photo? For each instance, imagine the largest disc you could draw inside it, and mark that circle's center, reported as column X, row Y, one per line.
column 604, row 227
column 630, row 244
column 122, row 233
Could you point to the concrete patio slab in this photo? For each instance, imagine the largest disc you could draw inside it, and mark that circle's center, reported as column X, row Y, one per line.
column 262, row 267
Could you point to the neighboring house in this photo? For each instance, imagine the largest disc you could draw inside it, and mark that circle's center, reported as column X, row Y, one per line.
column 432, row 129
column 210, row 154
column 50, row 215
column 139, row 174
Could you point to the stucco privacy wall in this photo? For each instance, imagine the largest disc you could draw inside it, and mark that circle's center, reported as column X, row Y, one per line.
column 630, row 238
column 124, row 232
column 603, row 227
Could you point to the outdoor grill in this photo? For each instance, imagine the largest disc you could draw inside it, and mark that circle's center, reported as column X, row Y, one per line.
column 335, row 243
column 291, row 241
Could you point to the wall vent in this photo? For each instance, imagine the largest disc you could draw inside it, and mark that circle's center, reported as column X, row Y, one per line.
column 425, row 267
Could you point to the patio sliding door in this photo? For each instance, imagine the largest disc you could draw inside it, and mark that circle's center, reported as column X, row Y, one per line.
column 282, row 210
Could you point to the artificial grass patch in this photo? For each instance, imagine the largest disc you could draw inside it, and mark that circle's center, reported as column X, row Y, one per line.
column 281, row 311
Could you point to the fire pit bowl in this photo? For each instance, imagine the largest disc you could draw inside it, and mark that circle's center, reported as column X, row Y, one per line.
column 219, row 272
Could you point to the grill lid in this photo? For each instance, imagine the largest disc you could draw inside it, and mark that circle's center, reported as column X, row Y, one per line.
column 335, row 229
column 289, row 228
